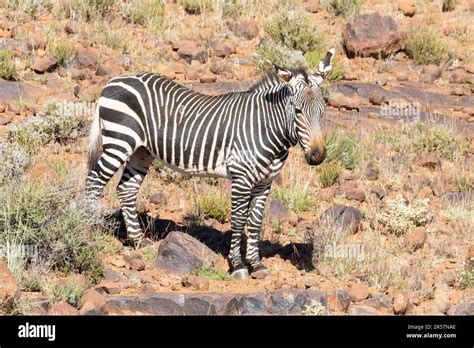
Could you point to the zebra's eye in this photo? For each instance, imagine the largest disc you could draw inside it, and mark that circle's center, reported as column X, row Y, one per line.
column 298, row 110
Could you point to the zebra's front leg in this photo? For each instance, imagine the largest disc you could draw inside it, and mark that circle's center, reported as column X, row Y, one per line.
column 254, row 225
column 241, row 196
column 127, row 192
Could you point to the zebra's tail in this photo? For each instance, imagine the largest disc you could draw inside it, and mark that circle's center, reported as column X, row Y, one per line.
column 95, row 141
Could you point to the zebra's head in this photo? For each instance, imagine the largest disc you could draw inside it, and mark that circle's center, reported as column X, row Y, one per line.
column 306, row 106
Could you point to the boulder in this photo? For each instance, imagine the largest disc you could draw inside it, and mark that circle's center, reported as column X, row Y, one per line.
column 62, row 308
column 8, row 289
column 373, row 35
column 87, row 58
column 195, row 282
column 348, row 217
column 359, row 292
column 339, row 100
column 190, row 52
column 207, row 78
column 158, row 198
column 92, row 303
column 400, row 303
column 415, row 238
column 372, row 171
column 46, row 64
column 408, row 7
column 248, row 29
column 221, row 49
column 181, row 253
column 339, row 300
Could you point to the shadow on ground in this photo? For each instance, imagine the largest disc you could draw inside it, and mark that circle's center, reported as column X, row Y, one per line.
column 219, row 241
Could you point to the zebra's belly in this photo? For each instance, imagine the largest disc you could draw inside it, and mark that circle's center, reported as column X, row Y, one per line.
column 220, row 170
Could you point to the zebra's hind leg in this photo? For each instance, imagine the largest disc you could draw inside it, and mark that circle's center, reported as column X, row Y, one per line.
column 127, row 191
column 254, row 225
column 241, row 195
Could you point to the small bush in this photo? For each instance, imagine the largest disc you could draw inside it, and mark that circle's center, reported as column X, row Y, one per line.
column 50, row 218
column 434, row 139
column 426, row 47
column 215, row 205
column 463, row 184
column 296, row 31
column 55, row 123
column 70, row 291
column 278, row 54
column 102, row 34
column 233, row 8
column 329, row 174
column 346, row 8
column 399, row 216
column 63, row 52
column 212, row 273
column 14, row 159
column 31, row 7
column 344, row 149
column 146, row 12
column 465, row 276
column 84, row 9
column 314, row 308
column 7, row 65
column 296, row 197
column 196, row 6
column 448, row 5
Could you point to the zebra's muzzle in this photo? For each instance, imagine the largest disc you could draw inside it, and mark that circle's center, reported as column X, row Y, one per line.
column 316, row 156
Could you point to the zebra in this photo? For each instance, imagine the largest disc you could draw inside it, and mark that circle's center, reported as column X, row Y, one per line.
column 241, row 136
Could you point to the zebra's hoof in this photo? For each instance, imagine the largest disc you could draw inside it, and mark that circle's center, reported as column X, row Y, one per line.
column 260, row 272
column 242, row 273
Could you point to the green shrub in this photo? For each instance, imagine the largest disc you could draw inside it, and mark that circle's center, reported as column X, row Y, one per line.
column 84, row 9
column 296, row 197
column 214, row 204
column 7, row 65
column 55, row 123
column 426, row 47
column 104, row 35
column 346, row 8
column 296, row 31
column 233, row 8
column 212, row 273
column 196, row 6
column 344, row 149
column 63, row 52
column 463, row 184
column 14, row 158
column 399, row 216
column 50, row 218
column 278, row 54
column 143, row 12
column 329, row 174
column 70, row 291
column 31, row 7
column 448, row 5
column 434, row 139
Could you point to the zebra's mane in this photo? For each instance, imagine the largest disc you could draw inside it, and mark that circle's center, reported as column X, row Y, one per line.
column 271, row 79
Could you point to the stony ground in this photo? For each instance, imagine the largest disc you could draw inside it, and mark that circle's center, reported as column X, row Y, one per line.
column 422, row 267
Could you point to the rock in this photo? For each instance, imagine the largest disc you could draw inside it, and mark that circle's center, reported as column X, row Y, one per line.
column 118, row 262
column 192, row 52
column 108, row 287
column 359, row 292
column 381, row 302
column 181, row 253
column 372, row 171
column 8, row 289
column 313, row 6
column 62, row 308
column 357, row 309
column 195, row 282
column 87, row 58
column 429, row 161
column 462, row 309
column 277, row 211
column 101, row 71
column 339, row 300
column 373, row 35
column 354, row 195
column 92, row 303
column 380, row 192
column 110, row 275
column 46, row 64
column 400, row 303
column 430, row 73
column 5, row 119
column 449, row 278
column 415, row 238
column 221, row 49
column 339, row 100
column 376, row 97
column 408, row 7
column 191, row 74
column 459, row 76
column 248, row 29
column 158, row 198
column 207, row 78
column 81, row 74
column 348, row 217
column 137, row 264
column 71, row 28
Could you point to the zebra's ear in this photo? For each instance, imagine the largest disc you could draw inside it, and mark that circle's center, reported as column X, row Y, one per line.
column 284, row 74
column 325, row 65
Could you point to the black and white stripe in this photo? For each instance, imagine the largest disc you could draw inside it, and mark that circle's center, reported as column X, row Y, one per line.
column 241, row 136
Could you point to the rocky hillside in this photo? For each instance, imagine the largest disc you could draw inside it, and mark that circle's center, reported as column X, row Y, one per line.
column 384, row 226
